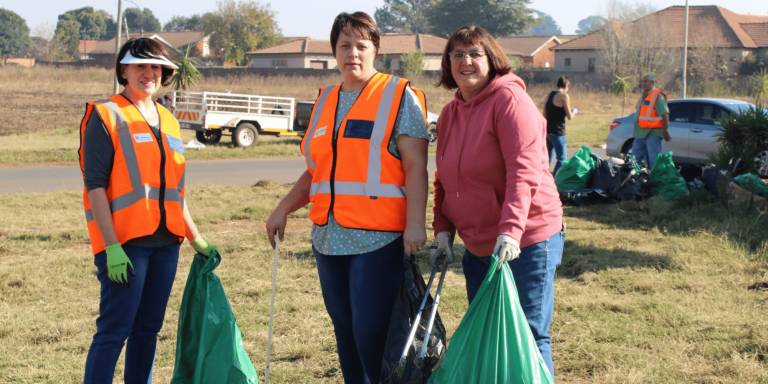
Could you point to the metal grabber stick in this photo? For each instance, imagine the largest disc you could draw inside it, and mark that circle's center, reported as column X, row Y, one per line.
column 416, row 321
column 425, row 343
column 272, row 307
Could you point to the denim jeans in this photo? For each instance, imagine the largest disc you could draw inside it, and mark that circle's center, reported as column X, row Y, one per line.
column 534, row 273
column 134, row 313
column 647, row 149
column 556, row 144
column 359, row 293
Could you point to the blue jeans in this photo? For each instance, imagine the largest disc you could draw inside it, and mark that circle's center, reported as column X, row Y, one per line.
column 647, row 149
column 556, row 142
column 134, row 313
column 534, row 273
column 359, row 293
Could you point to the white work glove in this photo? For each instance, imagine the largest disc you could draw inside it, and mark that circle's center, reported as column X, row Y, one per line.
column 575, row 111
column 507, row 248
column 442, row 241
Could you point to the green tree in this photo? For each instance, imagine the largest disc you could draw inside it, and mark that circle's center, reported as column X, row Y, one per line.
column 14, row 34
column 760, row 84
column 621, row 86
column 183, row 23
column 93, row 24
column 412, row 64
column 139, row 20
column 403, row 16
column 498, row 17
column 590, row 24
column 237, row 28
column 111, row 29
column 547, row 25
column 66, row 39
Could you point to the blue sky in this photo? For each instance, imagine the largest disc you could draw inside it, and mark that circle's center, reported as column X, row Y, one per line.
column 313, row 18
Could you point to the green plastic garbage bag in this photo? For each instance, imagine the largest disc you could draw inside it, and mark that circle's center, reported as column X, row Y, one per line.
column 575, row 172
column 752, row 183
column 209, row 347
column 494, row 343
column 665, row 180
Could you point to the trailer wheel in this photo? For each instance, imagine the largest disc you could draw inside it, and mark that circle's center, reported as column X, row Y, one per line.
column 245, row 135
column 432, row 131
column 209, row 136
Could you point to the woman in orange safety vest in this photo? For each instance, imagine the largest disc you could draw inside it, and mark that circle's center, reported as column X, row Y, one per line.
column 366, row 150
column 132, row 161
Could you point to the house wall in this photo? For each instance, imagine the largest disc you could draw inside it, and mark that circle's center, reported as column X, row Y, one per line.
column 431, row 62
column 544, row 56
column 579, row 60
column 21, row 62
column 291, row 61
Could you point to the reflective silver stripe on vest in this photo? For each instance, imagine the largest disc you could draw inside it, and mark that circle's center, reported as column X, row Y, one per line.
column 358, row 189
column 181, row 187
column 379, row 130
column 88, row 215
column 318, row 110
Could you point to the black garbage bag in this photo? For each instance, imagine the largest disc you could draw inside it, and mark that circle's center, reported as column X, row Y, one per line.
column 582, row 197
column 689, row 172
column 406, row 307
column 709, row 177
column 629, row 185
column 602, row 177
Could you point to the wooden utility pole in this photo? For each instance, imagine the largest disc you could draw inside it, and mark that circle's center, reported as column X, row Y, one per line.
column 685, row 49
column 117, row 39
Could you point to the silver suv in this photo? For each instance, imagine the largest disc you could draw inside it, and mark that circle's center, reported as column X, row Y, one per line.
column 692, row 126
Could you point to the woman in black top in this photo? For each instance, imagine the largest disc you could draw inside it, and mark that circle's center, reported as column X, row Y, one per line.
column 556, row 107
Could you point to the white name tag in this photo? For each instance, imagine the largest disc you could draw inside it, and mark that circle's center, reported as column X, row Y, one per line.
column 142, row 137
column 320, row 131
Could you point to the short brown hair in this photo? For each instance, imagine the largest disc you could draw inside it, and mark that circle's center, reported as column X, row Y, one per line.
column 143, row 47
column 358, row 23
column 471, row 34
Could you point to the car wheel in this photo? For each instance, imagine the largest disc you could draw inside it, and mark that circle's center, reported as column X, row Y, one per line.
column 627, row 148
column 208, row 136
column 245, row 135
column 432, row 131
column 761, row 161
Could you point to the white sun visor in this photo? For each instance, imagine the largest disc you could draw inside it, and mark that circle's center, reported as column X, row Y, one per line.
column 130, row 59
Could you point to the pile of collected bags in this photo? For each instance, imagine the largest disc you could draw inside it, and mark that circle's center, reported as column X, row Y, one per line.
column 586, row 179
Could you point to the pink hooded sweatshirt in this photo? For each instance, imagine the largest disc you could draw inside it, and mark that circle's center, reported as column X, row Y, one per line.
column 493, row 169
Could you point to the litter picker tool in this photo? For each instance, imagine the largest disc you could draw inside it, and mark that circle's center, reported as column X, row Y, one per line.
column 272, row 307
column 416, row 321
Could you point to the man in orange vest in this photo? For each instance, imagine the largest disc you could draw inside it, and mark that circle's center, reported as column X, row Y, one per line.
column 651, row 122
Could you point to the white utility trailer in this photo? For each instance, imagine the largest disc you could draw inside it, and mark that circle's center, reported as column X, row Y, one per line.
column 244, row 116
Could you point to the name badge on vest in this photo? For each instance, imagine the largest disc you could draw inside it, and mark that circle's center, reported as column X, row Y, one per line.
column 142, row 137
column 320, row 131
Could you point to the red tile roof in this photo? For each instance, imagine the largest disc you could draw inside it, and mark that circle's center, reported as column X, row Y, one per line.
column 758, row 32
column 177, row 39
column 708, row 26
column 390, row 43
column 525, row 45
column 86, row 46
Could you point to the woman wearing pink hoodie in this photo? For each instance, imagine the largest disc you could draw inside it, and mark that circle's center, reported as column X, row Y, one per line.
column 492, row 184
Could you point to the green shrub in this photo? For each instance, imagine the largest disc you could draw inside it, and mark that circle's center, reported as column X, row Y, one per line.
column 742, row 135
column 412, row 64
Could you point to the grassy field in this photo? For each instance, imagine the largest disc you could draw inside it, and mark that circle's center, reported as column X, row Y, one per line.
column 41, row 109
column 677, row 295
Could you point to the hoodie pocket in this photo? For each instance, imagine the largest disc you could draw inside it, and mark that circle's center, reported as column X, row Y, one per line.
column 475, row 212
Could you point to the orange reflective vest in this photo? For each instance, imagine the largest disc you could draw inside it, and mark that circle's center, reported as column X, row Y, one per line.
column 648, row 118
column 143, row 172
column 354, row 175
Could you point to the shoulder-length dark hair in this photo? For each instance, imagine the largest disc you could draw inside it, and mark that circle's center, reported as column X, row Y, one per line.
column 471, row 34
column 143, row 47
column 359, row 23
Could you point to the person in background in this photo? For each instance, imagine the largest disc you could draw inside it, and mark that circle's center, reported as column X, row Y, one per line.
column 167, row 102
column 366, row 150
column 651, row 122
column 132, row 162
column 556, row 107
column 493, row 184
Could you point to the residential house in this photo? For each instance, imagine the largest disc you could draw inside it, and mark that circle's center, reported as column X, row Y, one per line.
column 102, row 52
column 534, row 50
column 733, row 36
column 310, row 53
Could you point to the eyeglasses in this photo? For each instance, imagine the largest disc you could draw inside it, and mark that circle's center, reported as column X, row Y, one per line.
column 457, row 56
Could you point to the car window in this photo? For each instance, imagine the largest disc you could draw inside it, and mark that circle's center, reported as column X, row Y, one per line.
column 709, row 113
column 680, row 112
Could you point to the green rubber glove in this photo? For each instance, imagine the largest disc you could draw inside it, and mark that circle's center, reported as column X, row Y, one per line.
column 119, row 265
column 202, row 247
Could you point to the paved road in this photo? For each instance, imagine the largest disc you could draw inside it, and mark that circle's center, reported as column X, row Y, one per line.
column 225, row 172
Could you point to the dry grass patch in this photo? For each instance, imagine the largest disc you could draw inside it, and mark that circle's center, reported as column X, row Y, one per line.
column 671, row 296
